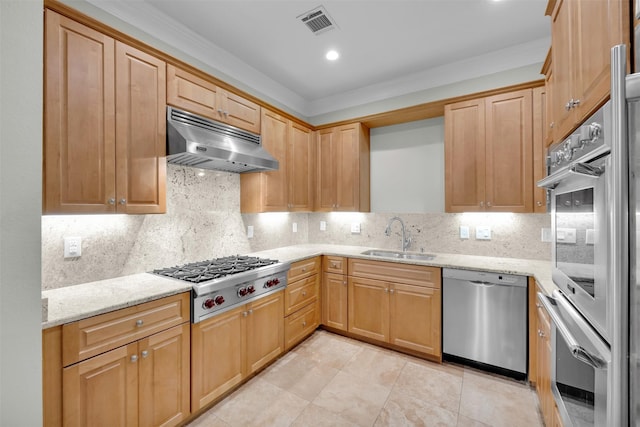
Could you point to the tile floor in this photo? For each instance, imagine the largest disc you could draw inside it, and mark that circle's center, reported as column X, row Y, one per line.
column 329, row 380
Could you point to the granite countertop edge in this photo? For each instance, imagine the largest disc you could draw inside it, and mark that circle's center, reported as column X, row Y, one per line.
column 72, row 303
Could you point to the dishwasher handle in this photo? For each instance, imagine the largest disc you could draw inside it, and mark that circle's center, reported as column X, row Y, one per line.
column 482, row 284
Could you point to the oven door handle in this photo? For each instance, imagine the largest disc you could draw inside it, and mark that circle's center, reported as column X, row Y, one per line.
column 577, row 350
column 587, row 170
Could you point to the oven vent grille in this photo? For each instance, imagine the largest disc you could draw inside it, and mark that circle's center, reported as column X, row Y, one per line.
column 318, row 20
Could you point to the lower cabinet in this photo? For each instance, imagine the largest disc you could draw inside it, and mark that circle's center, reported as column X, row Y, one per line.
column 401, row 306
column 334, row 292
column 227, row 348
column 302, row 301
column 128, row 367
column 145, row 383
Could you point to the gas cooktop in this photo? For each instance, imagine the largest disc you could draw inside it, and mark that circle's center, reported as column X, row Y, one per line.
column 203, row 271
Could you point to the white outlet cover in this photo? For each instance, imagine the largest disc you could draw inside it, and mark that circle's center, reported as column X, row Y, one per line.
column 464, row 232
column 590, row 237
column 545, row 235
column 323, row 225
column 295, row 227
column 566, row 235
column 355, row 228
column 250, row 231
column 483, row 233
column 72, row 247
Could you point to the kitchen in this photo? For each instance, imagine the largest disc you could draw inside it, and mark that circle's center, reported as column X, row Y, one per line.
column 372, row 226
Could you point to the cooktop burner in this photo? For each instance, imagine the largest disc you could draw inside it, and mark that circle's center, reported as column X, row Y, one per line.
column 202, row 271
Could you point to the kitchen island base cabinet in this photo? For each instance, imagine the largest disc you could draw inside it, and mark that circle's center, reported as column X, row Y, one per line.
column 229, row 347
column 398, row 304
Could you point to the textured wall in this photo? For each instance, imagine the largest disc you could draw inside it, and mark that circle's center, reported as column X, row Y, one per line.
column 203, row 221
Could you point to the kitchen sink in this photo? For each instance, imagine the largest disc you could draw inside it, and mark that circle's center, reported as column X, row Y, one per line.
column 399, row 255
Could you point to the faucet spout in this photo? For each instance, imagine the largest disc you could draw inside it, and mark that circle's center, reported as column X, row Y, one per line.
column 406, row 240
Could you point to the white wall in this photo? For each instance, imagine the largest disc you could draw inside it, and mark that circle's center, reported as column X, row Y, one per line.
column 407, row 167
column 20, row 208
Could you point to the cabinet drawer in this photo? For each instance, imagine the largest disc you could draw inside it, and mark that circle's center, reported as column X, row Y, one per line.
column 304, row 268
column 89, row 337
column 300, row 324
column 396, row 272
column 300, row 293
column 334, row 264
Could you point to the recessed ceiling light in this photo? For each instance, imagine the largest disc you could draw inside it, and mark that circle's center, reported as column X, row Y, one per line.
column 332, row 55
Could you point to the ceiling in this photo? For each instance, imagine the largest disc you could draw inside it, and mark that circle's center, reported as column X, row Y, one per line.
column 387, row 48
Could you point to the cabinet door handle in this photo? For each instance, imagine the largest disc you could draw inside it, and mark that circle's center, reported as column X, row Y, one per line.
column 344, row 283
column 220, row 111
column 391, row 291
column 482, row 204
column 386, row 290
column 539, row 203
column 134, row 358
column 538, row 305
column 139, row 322
column 488, row 204
column 144, row 354
column 251, row 311
column 112, row 201
column 568, row 105
column 123, row 201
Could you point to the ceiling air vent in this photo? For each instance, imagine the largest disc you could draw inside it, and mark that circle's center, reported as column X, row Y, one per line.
column 318, row 20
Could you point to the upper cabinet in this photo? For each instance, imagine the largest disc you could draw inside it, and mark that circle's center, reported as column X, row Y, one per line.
column 583, row 33
column 290, row 188
column 488, row 154
column 104, row 121
column 197, row 95
column 343, row 169
column 540, row 126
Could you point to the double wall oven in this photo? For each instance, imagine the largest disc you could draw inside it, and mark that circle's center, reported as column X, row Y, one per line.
column 580, row 188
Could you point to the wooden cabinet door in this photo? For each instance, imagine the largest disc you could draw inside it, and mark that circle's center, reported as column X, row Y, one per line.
column 192, row 93
column 562, row 59
column 540, row 126
column 301, row 155
column 334, row 301
column 509, row 150
column 543, row 380
column 238, row 111
column 464, row 156
column 369, row 308
column 326, row 172
column 217, row 352
column 274, row 183
column 103, row 390
column 140, row 132
column 264, row 325
column 415, row 315
column 346, row 159
column 164, row 377
column 79, row 137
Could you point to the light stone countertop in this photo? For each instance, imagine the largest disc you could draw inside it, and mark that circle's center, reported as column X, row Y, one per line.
column 77, row 302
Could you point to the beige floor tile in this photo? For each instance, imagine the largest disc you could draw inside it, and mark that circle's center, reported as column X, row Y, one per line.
column 468, row 422
column 431, row 384
column 404, row 410
column 316, row 416
column 498, row 402
column 327, row 349
column 281, row 413
column 378, row 366
column 208, row 419
column 299, row 375
column 353, row 398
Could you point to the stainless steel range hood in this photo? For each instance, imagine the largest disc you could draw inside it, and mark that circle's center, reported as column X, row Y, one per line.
column 203, row 143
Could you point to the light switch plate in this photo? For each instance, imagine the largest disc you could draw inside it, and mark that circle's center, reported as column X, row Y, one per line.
column 295, row 227
column 355, row 228
column 545, row 235
column 250, row 231
column 483, row 232
column 590, row 237
column 566, row 235
column 464, row 232
column 323, row 225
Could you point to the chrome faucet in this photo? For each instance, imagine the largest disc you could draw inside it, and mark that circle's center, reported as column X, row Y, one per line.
column 406, row 240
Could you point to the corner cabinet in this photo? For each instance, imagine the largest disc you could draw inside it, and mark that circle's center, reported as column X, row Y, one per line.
column 290, row 188
column 201, row 96
column 343, row 166
column 488, row 154
column 582, row 34
column 104, row 122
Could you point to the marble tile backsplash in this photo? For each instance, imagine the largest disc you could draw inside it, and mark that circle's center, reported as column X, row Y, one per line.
column 203, row 221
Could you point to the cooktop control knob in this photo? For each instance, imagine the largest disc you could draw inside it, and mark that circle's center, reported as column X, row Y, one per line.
column 242, row 292
column 208, row 303
column 251, row 289
column 219, row 300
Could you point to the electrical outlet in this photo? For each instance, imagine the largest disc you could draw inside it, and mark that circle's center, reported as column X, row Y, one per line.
column 545, row 235
column 295, row 227
column 323, row 225
column 483, row 233
column 464, row 232
column 566, row 235
column 590, row 236
column 250, row 231
column 355, row 228
column 72, row 247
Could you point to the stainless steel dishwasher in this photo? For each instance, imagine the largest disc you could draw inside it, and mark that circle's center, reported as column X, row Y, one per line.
column 484, row 319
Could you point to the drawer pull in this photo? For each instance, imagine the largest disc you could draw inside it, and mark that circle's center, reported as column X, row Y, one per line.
column 304, row 293
column 304, row 269
column 333, row 265
column 139, row 322
column 304, row 323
